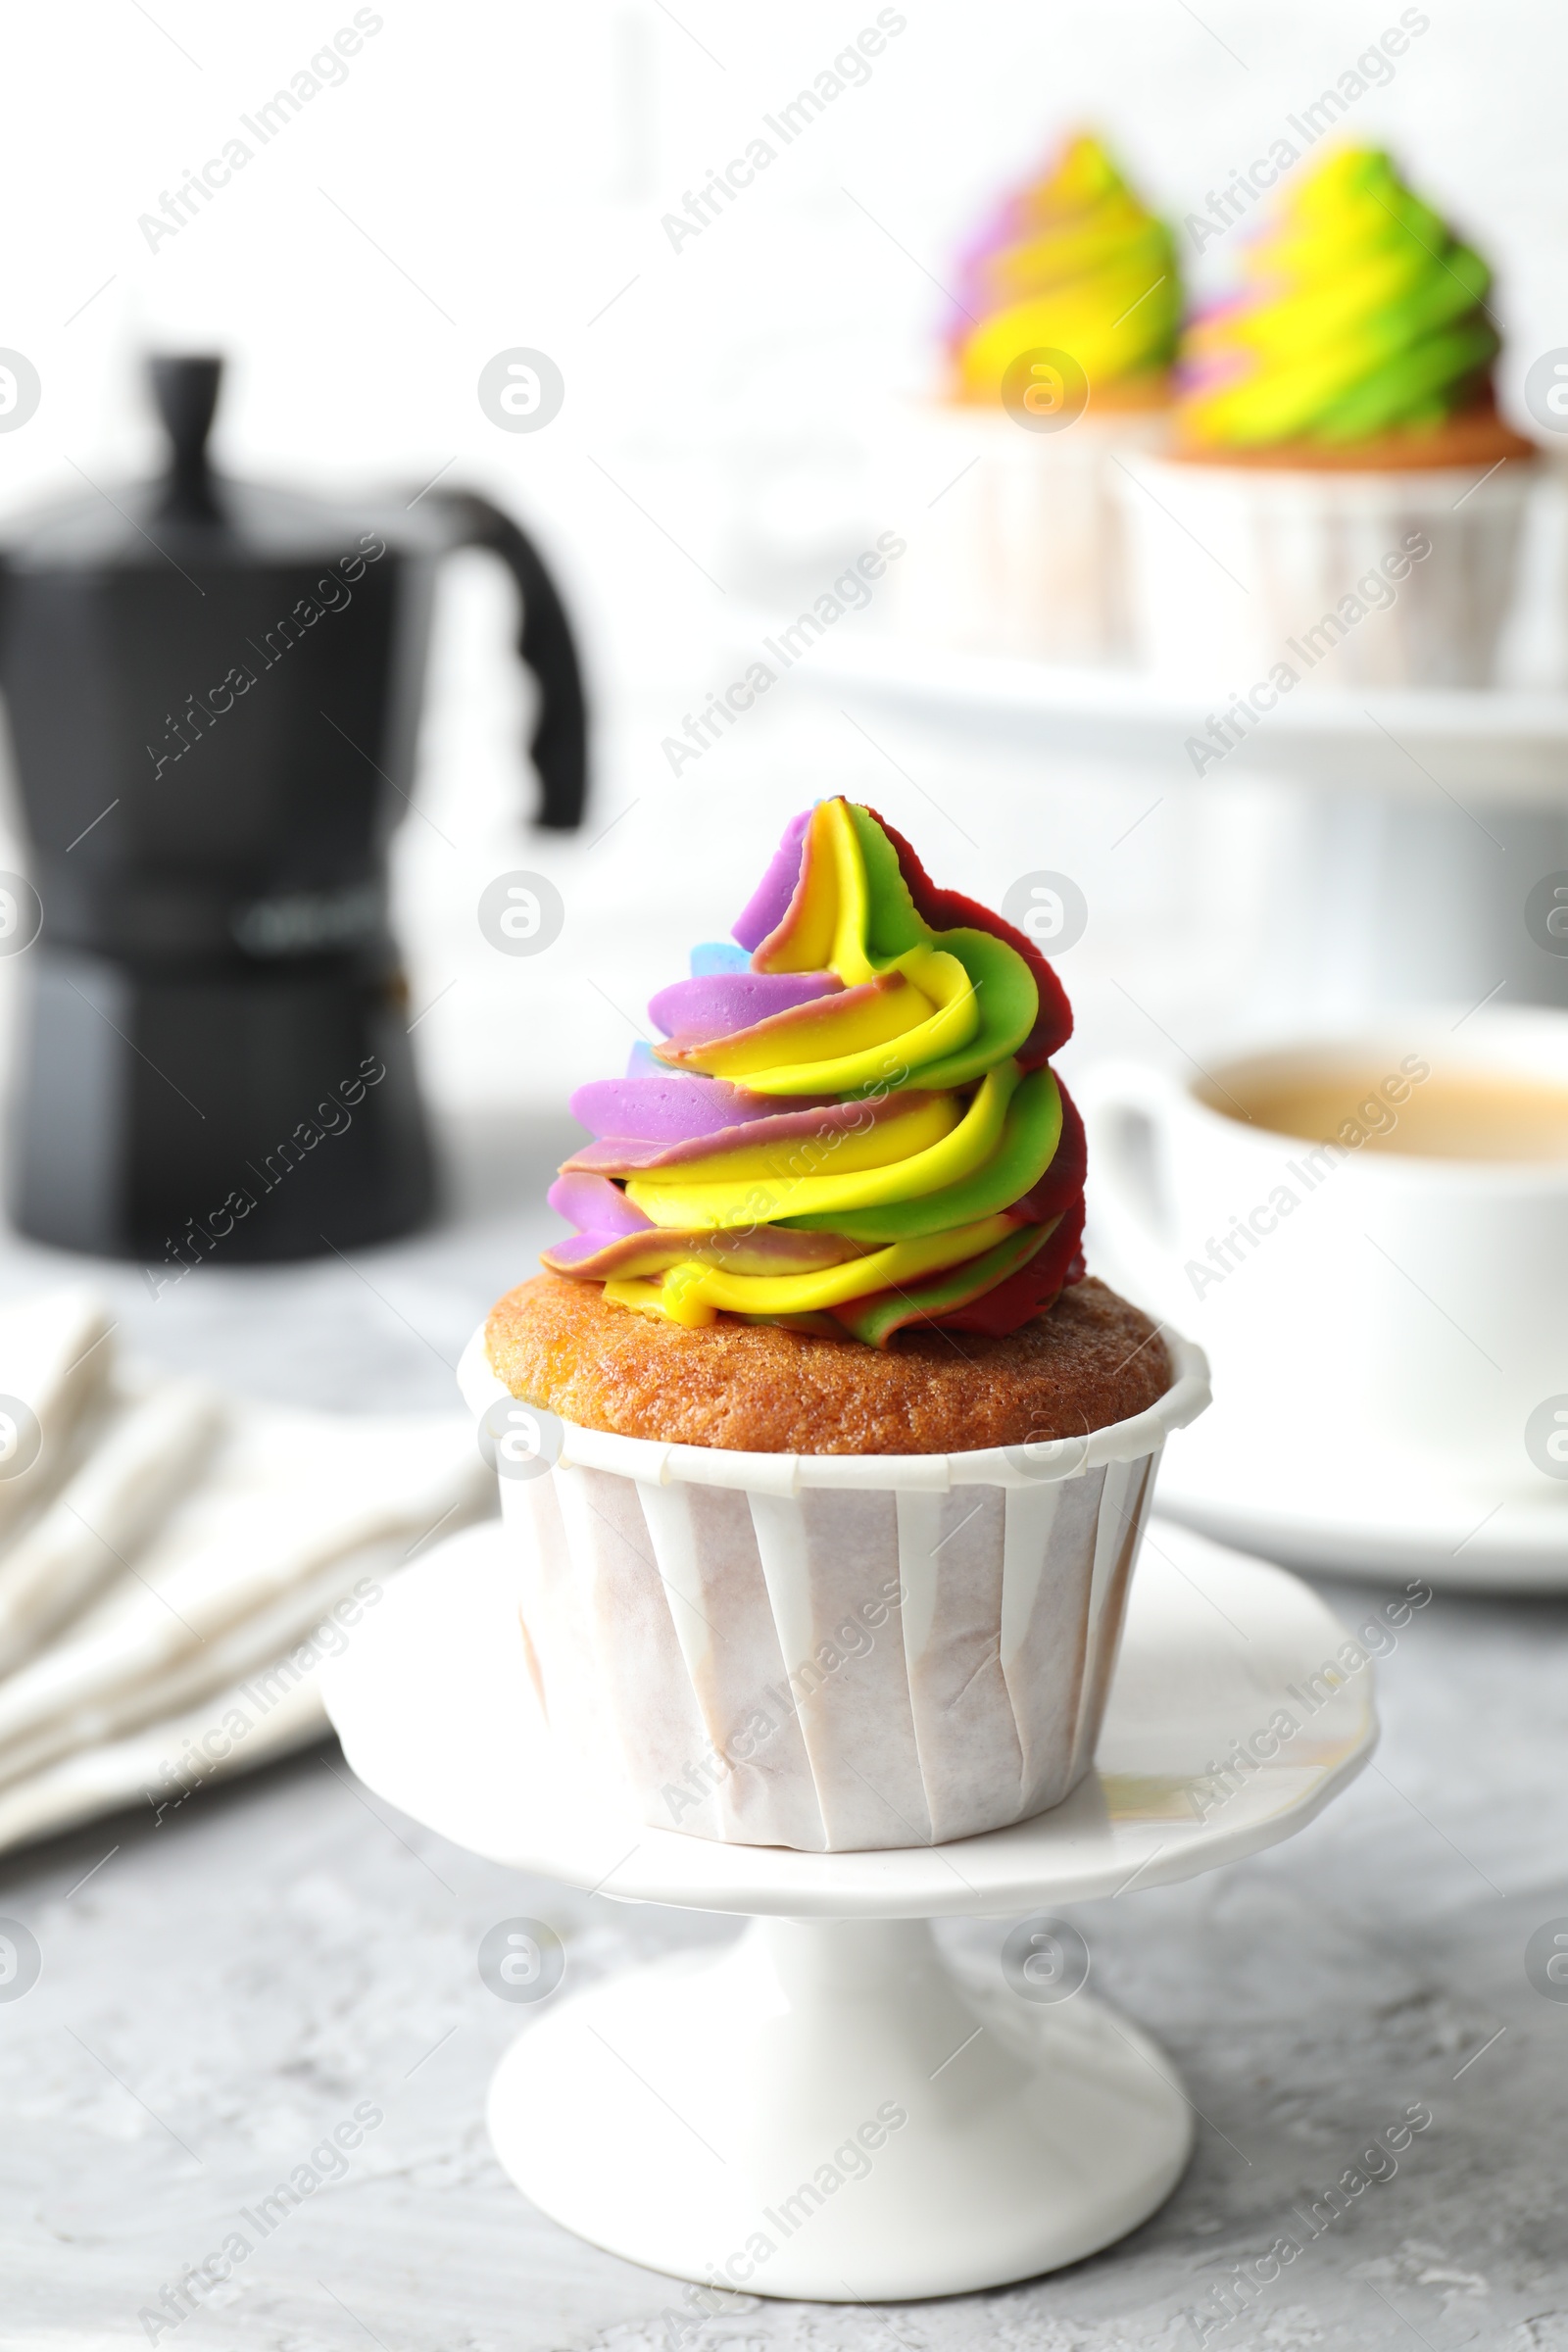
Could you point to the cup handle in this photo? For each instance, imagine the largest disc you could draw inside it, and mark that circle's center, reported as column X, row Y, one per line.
column 1126, row 1110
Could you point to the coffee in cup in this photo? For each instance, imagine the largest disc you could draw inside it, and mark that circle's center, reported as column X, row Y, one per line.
column 1368, row 1232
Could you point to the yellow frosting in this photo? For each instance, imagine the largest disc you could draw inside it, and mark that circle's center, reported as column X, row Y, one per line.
column 1079, row 265
column 1362, row 315
column 694, row 1293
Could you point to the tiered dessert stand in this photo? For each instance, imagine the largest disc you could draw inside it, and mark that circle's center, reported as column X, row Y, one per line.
column 1424, row 817
column 828, row 2110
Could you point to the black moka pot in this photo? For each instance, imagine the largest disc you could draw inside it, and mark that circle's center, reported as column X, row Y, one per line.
column 214, row 691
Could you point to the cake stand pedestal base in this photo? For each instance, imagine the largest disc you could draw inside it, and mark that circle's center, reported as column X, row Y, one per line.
column 824, row 2110
column 824, row 2113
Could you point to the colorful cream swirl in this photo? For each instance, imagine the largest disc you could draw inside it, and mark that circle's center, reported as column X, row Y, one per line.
column 1364, row 316
column 852, row 1125
column 1072, row 262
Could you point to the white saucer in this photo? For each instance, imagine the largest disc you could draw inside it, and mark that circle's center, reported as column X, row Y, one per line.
column 1302, row 1509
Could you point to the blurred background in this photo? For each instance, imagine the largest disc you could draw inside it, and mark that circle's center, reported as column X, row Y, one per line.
column 497, row 180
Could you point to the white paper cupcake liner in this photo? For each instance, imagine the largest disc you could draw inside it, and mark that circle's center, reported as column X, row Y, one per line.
column 833, row 1652
column 1019, row 544
column 1235, row 569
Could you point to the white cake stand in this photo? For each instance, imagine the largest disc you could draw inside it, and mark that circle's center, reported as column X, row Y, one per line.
column 1424, row 816
column 823, row 2111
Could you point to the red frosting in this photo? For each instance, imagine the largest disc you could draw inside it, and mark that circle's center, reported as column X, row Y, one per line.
column 1028, row 1292
column 1063, row 1179
column 951, row 911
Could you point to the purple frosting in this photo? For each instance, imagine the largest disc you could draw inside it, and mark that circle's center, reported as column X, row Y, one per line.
column 720, row 1003
column 610, row 1249
column 768, row 1251
column 667, row 1110
column 784, row 1120
column 768, row 904
column 976, row 297
column 566, row 1257
column 596, row 1205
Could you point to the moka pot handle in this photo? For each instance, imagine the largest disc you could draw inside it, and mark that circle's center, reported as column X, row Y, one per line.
column 547, row 644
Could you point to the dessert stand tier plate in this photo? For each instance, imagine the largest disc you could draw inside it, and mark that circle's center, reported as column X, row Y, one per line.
column 825, row 2111
column 1496, row 744
column 1422, row 815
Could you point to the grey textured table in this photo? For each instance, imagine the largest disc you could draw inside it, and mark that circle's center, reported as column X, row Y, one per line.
column 219, row 1994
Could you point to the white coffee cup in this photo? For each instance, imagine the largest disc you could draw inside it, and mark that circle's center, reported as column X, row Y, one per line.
column 1364, row 1309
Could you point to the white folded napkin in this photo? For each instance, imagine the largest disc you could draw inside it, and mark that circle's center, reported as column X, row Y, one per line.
column 164, row 1766
column 174, row 1565
column 54, row 1360
column 126, row 1460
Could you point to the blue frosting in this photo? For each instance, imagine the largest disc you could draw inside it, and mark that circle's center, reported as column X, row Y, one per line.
column 717, row 955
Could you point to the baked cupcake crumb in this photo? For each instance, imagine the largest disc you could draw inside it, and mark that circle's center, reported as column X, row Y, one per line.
column 757, row 1387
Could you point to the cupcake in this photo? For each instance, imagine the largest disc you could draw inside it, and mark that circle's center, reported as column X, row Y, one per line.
column 824, row 1464
column 1058, row 355
column 1342, row 501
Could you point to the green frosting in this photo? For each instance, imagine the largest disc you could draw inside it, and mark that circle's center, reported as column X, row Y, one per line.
column 1024, row 1150
column 1364, row 314
column 873, row 1320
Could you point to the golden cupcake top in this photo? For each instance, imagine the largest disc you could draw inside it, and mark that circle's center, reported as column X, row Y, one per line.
column 755, row 1387
column 1072, row 261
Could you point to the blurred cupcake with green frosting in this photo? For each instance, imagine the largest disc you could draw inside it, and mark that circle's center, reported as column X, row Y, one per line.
column 1057, row 359
column 1347, row 497
column 1362, row 336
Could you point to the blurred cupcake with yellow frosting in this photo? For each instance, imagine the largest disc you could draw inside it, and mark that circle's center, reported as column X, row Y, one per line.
column 1077, row 263
column 1341, row 499
column 1059, row 359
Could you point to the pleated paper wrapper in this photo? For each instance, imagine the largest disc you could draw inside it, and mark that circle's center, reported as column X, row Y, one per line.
column 830, row 1653
column 1020, row 543
column 1238, row 568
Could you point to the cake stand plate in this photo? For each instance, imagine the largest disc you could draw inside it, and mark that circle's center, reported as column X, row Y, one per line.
column 1504, row 745
column 826, row 2111
column 1420, row 819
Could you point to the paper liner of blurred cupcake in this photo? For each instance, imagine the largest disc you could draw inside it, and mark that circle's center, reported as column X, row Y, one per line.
column 1057, row 362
